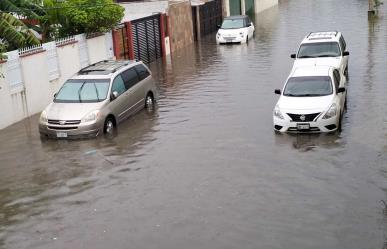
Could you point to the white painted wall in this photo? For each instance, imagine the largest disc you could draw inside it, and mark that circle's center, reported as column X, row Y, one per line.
column 138, row 10
column 37, row 90
column 97, row 49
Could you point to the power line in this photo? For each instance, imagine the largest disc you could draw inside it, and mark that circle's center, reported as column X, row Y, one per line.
column 89, row 6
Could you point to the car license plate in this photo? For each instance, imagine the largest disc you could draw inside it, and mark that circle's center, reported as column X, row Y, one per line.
column 61, row 134
column 303, row 126
column 229, row 40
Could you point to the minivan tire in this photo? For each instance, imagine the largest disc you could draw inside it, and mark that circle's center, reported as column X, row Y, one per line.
column 149, row 102
column 108, row 127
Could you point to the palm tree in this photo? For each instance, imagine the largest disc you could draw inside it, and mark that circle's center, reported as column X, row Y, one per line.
column 13, row 32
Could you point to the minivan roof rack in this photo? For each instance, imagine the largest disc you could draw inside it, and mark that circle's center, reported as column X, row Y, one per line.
column 104, row 67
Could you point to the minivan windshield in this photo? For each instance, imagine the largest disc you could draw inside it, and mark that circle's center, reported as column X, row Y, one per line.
column 232, row 24
column 308, row 86
column 78, row 91
column 321, row 49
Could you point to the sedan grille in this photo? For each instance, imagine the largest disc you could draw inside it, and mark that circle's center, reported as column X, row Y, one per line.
column 303, row 117
column 64, row 122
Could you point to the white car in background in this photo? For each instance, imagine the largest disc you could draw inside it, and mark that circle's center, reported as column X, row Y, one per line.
column 312, row 100
column 323, row 48
column 235, row 29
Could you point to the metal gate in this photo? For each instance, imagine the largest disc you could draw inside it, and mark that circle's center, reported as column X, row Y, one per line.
column 210, row 15
column 235, row 7
column 147, row 38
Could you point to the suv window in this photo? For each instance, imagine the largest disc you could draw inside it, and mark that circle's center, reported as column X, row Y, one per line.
column 336, row 78
column 320, row 49
column 130, row 78
column 142, row 71
column 118, row 85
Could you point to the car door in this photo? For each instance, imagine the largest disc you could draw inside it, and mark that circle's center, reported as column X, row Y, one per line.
column 344, row 48
column 135, row 95
column 119, row 105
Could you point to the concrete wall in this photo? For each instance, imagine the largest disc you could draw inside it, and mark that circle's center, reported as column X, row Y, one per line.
column 180, row 24
column 261, row 5
column 36, row 90
column 138, row 10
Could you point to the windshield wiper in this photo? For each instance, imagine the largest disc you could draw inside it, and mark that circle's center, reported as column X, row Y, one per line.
column 325, row 55
column 306, row 56
column 96, row 91
column 79, row 92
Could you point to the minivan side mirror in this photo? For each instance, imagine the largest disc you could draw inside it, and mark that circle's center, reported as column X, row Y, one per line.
column 249, row 24
column 293, row 56
column 218, row 26
column 345, row 53
column 55, row 94
column 114, row 95
column 277, row 91
column 341, row 90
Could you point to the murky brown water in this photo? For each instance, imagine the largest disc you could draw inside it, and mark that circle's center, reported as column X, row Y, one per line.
column 206, row 169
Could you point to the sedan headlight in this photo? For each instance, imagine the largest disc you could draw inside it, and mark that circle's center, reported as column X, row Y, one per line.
column 218, row 35
column 277, row 113
column 92, row 116
column 331, row 112
column 43, row 117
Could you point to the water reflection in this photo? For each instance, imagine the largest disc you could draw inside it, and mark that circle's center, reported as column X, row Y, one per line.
column 309, row 142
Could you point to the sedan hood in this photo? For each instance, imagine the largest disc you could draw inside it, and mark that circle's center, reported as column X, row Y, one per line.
column 70, row 111
column 324, row 61
column 304, row 105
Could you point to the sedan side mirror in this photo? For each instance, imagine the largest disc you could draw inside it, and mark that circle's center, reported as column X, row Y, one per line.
column 55, row 94
column 293, row 56
column 341, row 90
column 345, row 53
column 277, row 91
column 114, row 95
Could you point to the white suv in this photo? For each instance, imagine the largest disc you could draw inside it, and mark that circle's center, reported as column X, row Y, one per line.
column 312, row 100
column 323, row 48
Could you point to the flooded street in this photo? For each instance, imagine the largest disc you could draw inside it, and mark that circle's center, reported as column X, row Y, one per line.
column 206, row 169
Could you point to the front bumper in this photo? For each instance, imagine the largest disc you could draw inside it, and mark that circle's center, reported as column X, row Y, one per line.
column 81, row 130
column 228, row 40
column 318, row 126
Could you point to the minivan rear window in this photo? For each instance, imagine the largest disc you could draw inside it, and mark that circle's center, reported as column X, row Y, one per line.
column 78, row 91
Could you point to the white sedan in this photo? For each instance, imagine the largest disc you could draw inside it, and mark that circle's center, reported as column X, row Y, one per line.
column 312, row 100
column 235, row 29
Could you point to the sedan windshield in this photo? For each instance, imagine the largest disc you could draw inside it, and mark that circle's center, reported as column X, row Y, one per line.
column 310, row 86
column 232, row 24
column 78, row 91
column 323, row 49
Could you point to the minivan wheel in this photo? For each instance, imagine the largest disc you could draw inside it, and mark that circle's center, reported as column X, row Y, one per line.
column 247, row 39
column 108, row 127
column 149, row 102
column 339, row 128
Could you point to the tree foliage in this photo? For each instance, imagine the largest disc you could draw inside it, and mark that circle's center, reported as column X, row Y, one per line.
column 90, row 16
column 13, row 32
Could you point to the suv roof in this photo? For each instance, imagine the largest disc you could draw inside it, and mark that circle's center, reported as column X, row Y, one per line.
column 322, row 36
column 311, row 71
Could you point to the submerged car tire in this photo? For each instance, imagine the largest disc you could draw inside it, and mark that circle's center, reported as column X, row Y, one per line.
column 247, row 39
column 339, row 128
column 346, row 73
column 108, row 127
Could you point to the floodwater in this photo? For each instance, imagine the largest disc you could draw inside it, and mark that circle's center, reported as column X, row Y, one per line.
column 206, row 170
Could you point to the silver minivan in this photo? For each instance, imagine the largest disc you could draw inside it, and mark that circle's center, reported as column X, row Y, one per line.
column 97, row 99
